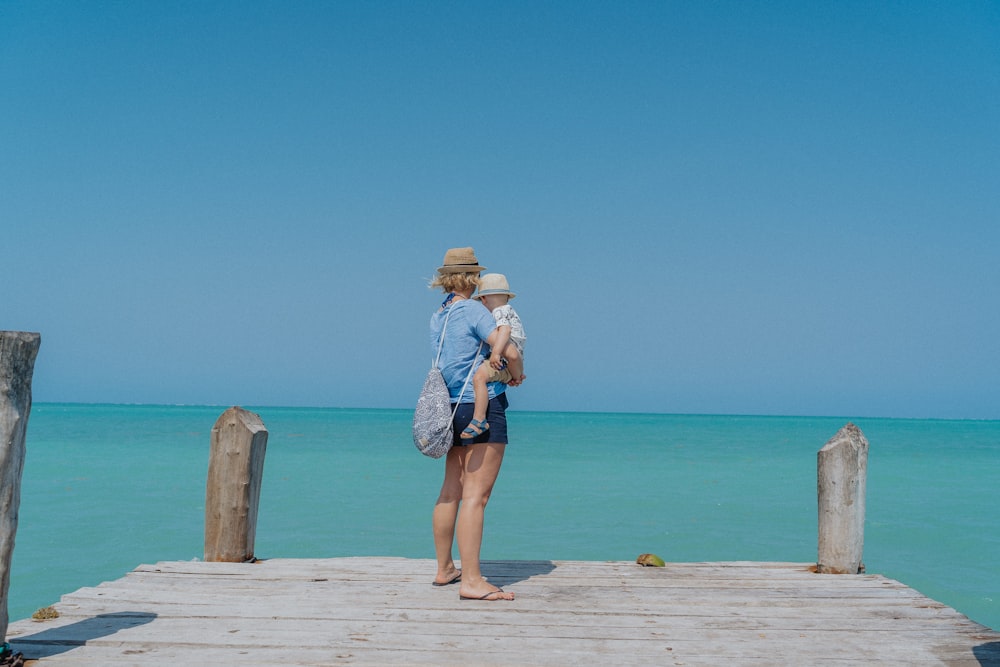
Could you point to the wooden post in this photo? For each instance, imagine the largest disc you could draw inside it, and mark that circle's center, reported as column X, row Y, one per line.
column 17, row 364
column 842, row 471
column 235, row 469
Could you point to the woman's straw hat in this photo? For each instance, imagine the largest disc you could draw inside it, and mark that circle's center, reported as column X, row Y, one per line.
column 460, row 260
column 493, row 283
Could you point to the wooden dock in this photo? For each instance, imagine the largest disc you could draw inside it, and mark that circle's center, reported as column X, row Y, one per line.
column 383, row 611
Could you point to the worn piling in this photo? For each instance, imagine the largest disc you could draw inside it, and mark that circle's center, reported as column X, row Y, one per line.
column 235, row 472
column 842, row 471
column 18, row 350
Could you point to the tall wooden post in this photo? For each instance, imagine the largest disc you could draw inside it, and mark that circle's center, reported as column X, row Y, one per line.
column 842, row 471
column 17, row 365
column 235, row 470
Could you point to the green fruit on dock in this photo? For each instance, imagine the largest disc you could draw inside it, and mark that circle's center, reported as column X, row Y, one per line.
column 45, row 614
column 650, row 560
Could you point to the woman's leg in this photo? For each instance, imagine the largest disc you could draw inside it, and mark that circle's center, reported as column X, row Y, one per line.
column 445, row 513
column 480, row 467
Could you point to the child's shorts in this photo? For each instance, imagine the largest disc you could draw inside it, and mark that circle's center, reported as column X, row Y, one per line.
column 497, row 376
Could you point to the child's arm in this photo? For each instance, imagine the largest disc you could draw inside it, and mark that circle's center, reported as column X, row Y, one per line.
column 498, row 343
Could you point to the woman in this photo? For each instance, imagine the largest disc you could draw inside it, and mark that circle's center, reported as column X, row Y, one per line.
column 472, row 465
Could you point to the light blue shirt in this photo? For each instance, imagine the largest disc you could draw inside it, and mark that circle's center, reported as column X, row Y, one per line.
column 469, row 323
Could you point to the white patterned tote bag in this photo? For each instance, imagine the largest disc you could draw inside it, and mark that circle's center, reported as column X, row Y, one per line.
column 432, row 432
column 432, row 419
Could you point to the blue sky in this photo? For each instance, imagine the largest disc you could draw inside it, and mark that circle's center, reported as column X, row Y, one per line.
column 705, row 207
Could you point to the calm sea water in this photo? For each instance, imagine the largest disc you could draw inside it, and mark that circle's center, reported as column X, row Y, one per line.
column 109, row 487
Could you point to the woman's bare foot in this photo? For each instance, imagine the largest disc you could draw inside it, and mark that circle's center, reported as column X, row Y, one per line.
column 483, row 590
column 445, row 577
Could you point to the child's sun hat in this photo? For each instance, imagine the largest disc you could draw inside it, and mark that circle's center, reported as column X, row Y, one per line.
column 493, row 283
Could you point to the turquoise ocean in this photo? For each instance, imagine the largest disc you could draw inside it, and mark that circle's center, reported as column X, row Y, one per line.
column 109, row 487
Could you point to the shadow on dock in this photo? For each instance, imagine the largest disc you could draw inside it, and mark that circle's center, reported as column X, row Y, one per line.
column 67, row 637
column 988, row 655
column 506, row 572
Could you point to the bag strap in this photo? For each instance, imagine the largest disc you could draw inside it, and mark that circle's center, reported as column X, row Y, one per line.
column 441, row 339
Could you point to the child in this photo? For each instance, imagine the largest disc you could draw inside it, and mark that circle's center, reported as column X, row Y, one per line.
column 506, row 362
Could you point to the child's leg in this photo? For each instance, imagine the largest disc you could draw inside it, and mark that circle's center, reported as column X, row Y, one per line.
column 482, row 399
column 482, row 394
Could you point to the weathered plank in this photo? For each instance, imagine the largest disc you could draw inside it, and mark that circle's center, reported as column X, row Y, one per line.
column 378, row 611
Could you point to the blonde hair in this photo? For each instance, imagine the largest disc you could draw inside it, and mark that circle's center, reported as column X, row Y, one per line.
column 455, row 282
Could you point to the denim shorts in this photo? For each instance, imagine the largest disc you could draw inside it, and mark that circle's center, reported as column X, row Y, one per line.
column 496, row 417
